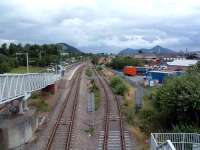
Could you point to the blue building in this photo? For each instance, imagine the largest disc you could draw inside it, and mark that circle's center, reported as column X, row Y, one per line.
column 160, row 76
column 141, row 70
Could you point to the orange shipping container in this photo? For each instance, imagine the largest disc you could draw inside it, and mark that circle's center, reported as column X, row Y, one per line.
column 129, row 70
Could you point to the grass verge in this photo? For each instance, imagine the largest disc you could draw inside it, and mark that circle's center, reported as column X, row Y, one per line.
column 32, row 69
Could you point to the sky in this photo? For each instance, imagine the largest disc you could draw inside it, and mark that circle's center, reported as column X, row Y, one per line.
column 102, row 25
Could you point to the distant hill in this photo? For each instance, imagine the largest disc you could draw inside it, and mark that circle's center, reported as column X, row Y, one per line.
column 68, row 48
column 155, row 50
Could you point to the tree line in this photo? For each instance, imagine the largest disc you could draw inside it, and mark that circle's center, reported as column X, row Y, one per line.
column 119, row 62
column 13, row 55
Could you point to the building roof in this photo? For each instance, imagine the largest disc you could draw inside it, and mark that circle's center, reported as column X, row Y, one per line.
column 167, row 72
column 184, row 62
column 145, row 56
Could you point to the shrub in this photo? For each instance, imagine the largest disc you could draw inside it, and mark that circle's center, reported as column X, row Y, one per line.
column 118, row 85
column 41, row 105
column 120, row 89
column 93, row 87
column 115, row 81
column 4, row 67
column 186, row 128
column 130, row 114
column 99, row 67
column 151, row 121
column 88, row 72
column 96, row 92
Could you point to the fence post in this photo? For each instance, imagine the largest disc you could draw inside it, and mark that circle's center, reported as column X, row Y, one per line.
column 183, row 141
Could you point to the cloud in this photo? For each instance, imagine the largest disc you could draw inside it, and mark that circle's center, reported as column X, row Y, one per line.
column 102, row 25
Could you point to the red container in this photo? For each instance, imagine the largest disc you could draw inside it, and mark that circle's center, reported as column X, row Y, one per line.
column 130, row 70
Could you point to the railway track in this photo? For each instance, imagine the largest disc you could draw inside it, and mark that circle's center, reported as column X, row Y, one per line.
column 113, row 136
column 61, row 134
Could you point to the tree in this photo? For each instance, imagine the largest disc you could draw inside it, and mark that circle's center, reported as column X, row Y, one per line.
column 120, row 62
column 179, row 98
column 195, row 69
column 39, row 55
column 4, row 49
column 12, row 49
column 4, row 64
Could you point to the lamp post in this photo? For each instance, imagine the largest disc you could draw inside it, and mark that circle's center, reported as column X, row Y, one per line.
column 27, row 66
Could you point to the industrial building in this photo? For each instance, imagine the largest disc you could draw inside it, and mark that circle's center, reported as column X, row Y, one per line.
column 158, row 77
column 182, row 64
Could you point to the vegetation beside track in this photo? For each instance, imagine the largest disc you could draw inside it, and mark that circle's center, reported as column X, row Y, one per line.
column 96, row 92
column 39, row 103
column 173, row 107
column 88, row 72
column 118, row 86
column 94, row 89
column 128, row 109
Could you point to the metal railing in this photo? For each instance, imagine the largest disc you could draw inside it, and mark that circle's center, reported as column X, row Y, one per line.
column 180, row 141
column 13, row 86
column 166, row 146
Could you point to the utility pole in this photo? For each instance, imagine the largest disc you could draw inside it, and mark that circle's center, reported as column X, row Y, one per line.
column 27, row 63
column 27, row 60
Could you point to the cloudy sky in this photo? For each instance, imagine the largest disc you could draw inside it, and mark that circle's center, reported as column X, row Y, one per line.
column 102, row 25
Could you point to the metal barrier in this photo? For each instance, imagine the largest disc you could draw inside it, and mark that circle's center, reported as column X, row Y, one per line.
column 166, row 146
column 180, row 141
column 13, row 86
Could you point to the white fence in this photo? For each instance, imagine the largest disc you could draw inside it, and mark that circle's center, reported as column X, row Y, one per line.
column 179, row 141
column 166, row 146
column 13, row 86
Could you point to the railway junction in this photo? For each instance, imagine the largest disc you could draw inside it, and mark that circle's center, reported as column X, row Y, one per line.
column 73, row 122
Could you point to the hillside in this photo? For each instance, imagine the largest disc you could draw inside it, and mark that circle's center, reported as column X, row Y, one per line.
column 154, row 50
column 68, row 48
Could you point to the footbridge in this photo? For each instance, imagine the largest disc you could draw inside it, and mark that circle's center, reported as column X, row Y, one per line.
column 175, row 141
column 14, row 86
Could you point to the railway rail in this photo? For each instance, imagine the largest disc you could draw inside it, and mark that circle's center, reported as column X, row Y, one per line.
column 114, row 135
column 61, row 134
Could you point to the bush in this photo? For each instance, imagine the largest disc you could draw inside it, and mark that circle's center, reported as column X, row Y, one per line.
column 128, row 112
column 4, row 64
column 41, row 105
column 4, row 67
column 88, row 72
column 186, row 128
column 115, row 81
column 118, row 85
column 93, row 87
column 96, row 92
column 120, row 89
column 35, row 95
column 151, row 121
column 99, row 68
